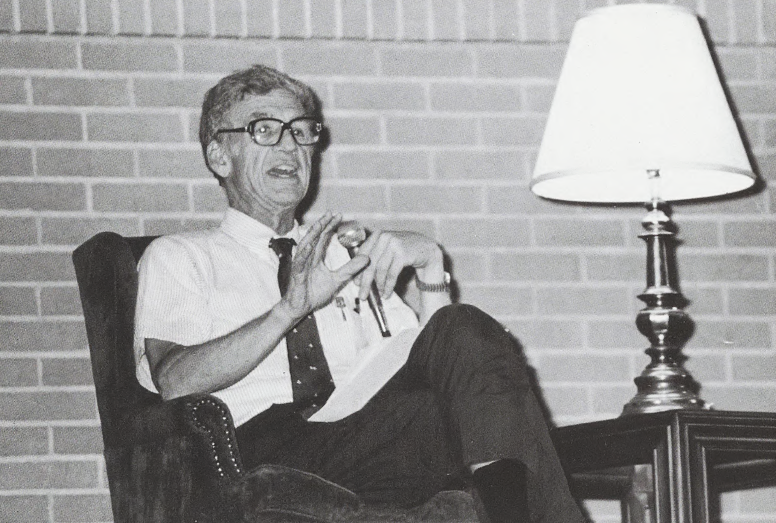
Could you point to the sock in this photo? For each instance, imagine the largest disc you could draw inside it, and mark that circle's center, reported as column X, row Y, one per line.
column 502, row 489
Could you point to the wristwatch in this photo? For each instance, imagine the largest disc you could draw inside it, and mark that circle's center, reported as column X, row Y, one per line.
column 444, row 286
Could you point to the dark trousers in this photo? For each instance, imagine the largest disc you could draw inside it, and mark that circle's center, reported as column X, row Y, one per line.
column 463, row 397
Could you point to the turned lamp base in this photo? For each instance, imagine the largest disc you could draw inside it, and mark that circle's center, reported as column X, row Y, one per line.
column 664, row 384
column 664, row 387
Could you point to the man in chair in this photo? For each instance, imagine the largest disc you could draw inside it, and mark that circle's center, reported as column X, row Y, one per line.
column 271, row 317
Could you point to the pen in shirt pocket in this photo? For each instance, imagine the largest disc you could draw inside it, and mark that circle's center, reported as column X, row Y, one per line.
column 339, row 301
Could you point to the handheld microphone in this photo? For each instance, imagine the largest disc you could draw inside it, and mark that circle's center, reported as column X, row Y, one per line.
column 351, row 235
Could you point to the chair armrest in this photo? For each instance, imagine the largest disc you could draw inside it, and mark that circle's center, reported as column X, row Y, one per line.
column 211, row 420
column 203, row 418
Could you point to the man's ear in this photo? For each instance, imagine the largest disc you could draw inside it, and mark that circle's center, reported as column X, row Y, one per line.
column 218, row 160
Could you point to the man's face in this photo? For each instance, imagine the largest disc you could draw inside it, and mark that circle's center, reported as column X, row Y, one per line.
column 266, row 180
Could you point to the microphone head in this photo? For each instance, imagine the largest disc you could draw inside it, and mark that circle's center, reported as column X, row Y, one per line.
column 351, row 234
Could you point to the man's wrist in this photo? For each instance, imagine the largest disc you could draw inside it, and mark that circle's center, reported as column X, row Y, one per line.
column 432, row 277
column 286, row 313
column 440, row 286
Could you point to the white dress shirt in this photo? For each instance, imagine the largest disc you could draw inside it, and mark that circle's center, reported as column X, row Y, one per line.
column 198, row 286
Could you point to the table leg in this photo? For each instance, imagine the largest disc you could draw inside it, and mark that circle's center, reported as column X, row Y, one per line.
column 665, row 510
column 640, row 498
column 697, row 481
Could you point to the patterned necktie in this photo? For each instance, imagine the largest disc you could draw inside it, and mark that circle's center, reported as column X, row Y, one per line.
column 311, row 380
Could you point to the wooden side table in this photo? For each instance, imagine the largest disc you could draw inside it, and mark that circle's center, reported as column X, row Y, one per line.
column 692, row 456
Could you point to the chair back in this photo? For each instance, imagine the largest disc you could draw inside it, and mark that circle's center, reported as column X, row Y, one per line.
column 106, row 271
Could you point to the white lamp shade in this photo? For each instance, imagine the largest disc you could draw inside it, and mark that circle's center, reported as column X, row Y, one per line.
column 638, row 91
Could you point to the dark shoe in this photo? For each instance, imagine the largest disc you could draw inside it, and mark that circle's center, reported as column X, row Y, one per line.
column 502, row 489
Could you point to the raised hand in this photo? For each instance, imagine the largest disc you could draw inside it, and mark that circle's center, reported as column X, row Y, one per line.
column 390, row 252
column 312, row 284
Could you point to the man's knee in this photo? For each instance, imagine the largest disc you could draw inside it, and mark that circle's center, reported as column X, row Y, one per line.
column 462, row 314
column 463, row 338
column 468, row 321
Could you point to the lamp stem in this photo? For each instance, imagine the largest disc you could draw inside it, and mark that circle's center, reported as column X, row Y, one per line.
column 664, row 384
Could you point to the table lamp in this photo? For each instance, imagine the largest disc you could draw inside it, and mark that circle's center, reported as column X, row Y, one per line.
column 640, row 115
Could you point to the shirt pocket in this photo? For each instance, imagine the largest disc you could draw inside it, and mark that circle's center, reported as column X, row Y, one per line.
column 340, row 330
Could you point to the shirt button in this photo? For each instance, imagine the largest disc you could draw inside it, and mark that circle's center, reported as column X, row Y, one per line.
column 298, row 382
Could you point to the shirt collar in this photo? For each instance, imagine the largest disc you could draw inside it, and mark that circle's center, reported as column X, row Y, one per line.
column 252, row 233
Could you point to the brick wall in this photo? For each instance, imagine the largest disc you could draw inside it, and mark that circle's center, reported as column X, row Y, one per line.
column 436, row 109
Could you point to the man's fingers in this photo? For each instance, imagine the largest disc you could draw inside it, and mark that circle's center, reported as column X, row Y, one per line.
column 392, row 256
column 308, row 248
column 301, row 256
column 381, row 271
column 371, row 240
column 390, row 280
column 300, row 264
column 325, row 237
column 315, row 230
column 357, row 264
column 376, row 251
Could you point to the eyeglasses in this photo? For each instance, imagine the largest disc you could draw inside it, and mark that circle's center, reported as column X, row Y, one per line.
column 269, row 131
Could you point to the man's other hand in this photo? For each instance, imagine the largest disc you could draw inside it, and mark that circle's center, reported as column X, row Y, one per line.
column 390, row 252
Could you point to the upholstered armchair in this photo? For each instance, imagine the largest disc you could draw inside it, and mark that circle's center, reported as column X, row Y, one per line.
column 178, row 460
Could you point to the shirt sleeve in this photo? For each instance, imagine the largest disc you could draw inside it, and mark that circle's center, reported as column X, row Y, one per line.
column 172, row 304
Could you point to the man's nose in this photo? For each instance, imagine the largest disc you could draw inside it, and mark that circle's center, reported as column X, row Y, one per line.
column 287, row 141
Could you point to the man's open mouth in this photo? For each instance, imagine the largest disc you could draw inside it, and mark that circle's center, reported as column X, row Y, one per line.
column 283, row 171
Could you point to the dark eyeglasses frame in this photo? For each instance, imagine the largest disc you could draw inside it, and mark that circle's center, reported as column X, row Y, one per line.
column 285, row 125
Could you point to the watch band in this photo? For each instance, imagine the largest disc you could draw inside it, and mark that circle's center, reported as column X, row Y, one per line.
column 443, row 286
